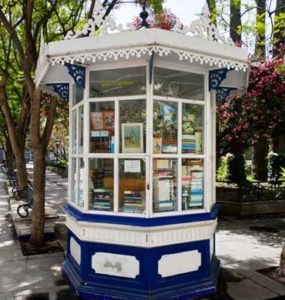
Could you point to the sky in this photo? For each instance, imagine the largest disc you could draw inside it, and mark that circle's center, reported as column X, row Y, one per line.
column 186, row 10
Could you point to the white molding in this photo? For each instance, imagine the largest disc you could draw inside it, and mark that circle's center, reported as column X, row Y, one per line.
column 75, row 250
column 138, row 52
column 42, row 63
column 106, row 24
column 139, row 45
column 203, row 28
column 179, row 263
column 212, row 247
column 115, row 265
column 140, row 236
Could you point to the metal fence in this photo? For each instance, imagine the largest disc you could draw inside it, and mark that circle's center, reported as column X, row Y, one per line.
column 252, row 191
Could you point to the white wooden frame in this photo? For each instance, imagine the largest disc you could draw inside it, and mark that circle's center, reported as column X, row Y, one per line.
column 208, row 148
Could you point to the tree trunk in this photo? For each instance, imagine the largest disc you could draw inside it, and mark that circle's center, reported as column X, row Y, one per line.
column 281, row 270
column 19, row 151
column 9, row 156
column 278, row 30
column 260, row 28
column 22, row 174
column 235, row 22
column 38, row 215
column 259, row 161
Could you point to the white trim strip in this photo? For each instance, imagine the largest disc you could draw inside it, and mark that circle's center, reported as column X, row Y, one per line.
column 140, row 236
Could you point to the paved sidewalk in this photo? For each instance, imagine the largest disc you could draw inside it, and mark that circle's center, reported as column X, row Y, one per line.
column 241, row 250
column 36, row 277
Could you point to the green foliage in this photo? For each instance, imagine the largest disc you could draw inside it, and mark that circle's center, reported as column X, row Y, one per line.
column 222, row 171
column 156, row 5
column 282, row 173
column 276, row 162
column 231, row 168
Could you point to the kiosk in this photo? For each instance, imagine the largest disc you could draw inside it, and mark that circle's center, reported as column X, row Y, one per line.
column 141, row 211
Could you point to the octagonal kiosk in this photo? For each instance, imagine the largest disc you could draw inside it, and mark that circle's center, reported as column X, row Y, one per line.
column 141, row 211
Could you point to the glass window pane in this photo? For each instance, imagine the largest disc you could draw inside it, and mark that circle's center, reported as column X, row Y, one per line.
column 192, row 128
column 101, row 184
column 179, row 84
column 132, row 126
column 164, row 185
column 118, row 82
column 78, row 94
column 164, row 127
column 192, row 183
column 80, row 182
column 74, row 132
column 74, row 180
column 102, row 121
column 80, row 125
column 132, row 185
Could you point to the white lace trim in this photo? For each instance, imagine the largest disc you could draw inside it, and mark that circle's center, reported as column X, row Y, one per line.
column 147, row 50
column 203, row 28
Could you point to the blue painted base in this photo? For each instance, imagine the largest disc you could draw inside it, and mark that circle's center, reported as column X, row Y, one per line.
column 148, row 284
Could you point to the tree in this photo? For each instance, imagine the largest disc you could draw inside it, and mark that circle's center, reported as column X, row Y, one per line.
column 22, row 25
column 279, row 27
column 235, row 21
column 243, row 118
column 261, row 147
column 6, row 145
column 213, row 11
column 13, row 103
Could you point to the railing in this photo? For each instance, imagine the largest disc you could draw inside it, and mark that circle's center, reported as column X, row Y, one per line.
column 251, row 191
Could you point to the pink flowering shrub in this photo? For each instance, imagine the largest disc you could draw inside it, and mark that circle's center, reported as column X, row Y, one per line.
column 242, row 119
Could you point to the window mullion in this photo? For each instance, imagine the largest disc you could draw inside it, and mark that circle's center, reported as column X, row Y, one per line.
column 116, row 159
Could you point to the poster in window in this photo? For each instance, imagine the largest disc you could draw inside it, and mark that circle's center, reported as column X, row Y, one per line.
column 96, row 120
column 132, row 137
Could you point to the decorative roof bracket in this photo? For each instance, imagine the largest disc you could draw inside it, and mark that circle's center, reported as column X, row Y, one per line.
column 77, row 73
column 223, row 92
column 216, row 77
column 61, row 89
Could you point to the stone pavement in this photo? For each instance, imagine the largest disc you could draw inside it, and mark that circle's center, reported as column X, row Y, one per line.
column 36, row 277
column 242, row 252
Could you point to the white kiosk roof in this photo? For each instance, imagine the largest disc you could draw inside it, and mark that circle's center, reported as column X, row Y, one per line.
column 206, row 53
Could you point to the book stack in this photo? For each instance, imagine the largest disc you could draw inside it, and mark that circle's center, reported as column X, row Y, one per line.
column 133, row 201
column 102, row 142
column 197, row 191
column 102, row 199
column 163, row 187
column 188, row 144
column 186, row 189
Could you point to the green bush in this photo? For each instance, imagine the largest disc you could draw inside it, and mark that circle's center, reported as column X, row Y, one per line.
column 275, row 163
column 231, row 169
column 235, row 168
column 222, row 169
